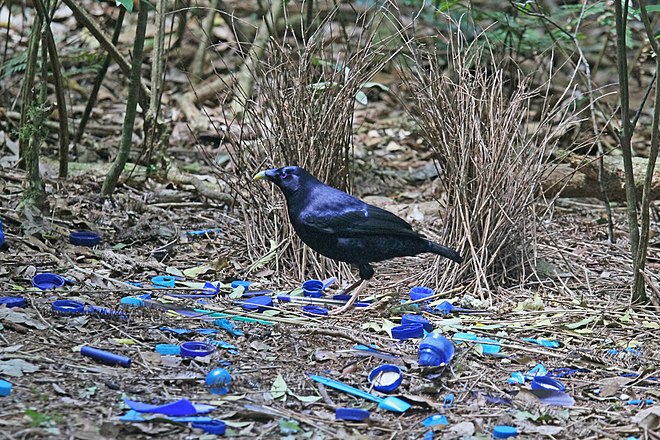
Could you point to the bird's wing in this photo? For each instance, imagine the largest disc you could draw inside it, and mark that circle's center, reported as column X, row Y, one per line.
column 354, row 221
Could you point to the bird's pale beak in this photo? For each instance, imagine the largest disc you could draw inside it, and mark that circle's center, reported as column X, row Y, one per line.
column 260, row 176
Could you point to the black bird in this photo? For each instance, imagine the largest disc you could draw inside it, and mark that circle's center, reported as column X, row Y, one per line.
column 344, row 228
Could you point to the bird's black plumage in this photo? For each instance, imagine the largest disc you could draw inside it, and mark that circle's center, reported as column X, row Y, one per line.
column 344, row 228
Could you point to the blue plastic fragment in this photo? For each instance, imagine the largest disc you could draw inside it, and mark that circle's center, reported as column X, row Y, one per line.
column 5, row 388
column 12, row 301
column 351, row 414
column 516, row 378
column 176, row 330
column 639, row 402
column 420, row 292
column 428, row 435
column 134, row 416
column 537, row 370
column 564, row 371
column 47, row 280
column 196, row 349
column 257, row 303
column 449, row 401
column 544, row 342
column 410, row 318
column 2, row 235
column 313, row 288
column 216, row 427
column 182, row 407
column 444, row 308
column 210, row 288
column 104, row 312
column 168, row 349
column 407, row 331
column 67, row 307
column 218, row 380
column 312, row 310
column 633, row 351
column 435, row 350
column 241, row 283
column 131, row 301
column 435, row 420
column 228, row 326
column 202, row 232
column 134, row 283
column 84, row 238
column 612, row 352
column 547, row 383
column 105, row 357
column 503, row 431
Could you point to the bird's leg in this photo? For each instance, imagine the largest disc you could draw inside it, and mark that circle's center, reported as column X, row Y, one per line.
column 360, row 284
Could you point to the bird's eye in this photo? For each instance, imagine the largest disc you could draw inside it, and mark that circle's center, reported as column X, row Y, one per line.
column 284, row 175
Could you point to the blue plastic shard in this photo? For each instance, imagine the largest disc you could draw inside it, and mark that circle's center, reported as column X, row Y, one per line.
column 134, row 416
column 435, row 420
column 537, row 370
column 176, row 330
column 544, row 342
column 554, row 398
column 449, row 401
column 182, row 407
column 516, row 378
column 228, row 326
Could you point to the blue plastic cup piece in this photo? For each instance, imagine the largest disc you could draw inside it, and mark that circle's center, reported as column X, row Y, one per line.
column 47, row 280
column 67, row 307
column 163, row 281
column 503, row 431
column 218, row 381
column 168, row 349
column 216, row 427
column 12, row 301
column 547, row 383
column 385, row 378
column 84, row 238
column 257, row 303
column 105, row 357
column 410, row 318
column 196, row 349
column 420, row 292
column 313, row 288
column 238, row 283
column 408, row 331
column 435, row 350
column 315, row 311
column 351, row 414
column 5, row 388
column 464, row 336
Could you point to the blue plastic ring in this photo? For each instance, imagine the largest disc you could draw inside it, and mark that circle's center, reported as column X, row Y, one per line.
column 84, row 238
column 68, row 307
column 196, row 349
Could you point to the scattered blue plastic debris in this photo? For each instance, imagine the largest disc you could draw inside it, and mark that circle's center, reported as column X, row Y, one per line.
column 163, row 281
column 435, row 350
column 428, row 435
column 12, row 301
column 67, row 307
column 547, row 383
column 241, row 283
column 196, row 349
column 565, row 371
column 134, row 416
column 449, row 401
column 47, row 281
column 537, row 370
column 435, row 420
column 488, row 345
column 5, row 388
column 351, row 414
column 182, row 407
column 516, row 378
column 639, row 402
column 554, row 398
column 105, row 357
column 228, row 326
column 410, row 318
column 407, row 331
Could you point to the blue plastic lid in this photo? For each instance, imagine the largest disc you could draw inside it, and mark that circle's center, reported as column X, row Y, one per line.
column 315, row 310
column 239, row 283
column 13, row 301
column 5, row 388
column 163, row 281
column 68, row 307
column 547, row 383
column 218, row 380
column 503, row 431
column 408, row 331
column 420, row 292
column 196, row 349
column 313, row 288
column 257, row 303
column 410, row 318
column 168, row 349
column 435, row 350
column 84, row 238
column 385, row 378
column 47, row 280
column 217, row 427
column 352, row 414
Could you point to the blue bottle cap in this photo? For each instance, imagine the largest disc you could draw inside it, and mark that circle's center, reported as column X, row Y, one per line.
column 168, row 349
column 410, row 318
column 547, row 383
column 420, row 292
column 163, row 281
column 13, row 301
column 441, row 353
column 503, row 431
column 217, row 427
column 196, row 349
column 5, row 388
column 46, row 280
column 67, row 307
column 84, row 238
column 385, row 378
column 218, row 380
column 239, row 283
column 408, row 331
column 314, row 310
column 352, row 414
column 258, row 303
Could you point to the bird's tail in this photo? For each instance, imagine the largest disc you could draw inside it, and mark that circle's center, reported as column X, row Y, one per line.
column 445, row 252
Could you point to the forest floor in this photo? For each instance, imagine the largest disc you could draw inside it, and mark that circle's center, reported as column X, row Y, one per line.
column 570, row 316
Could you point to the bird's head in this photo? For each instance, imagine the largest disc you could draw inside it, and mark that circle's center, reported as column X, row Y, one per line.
column 290, row 179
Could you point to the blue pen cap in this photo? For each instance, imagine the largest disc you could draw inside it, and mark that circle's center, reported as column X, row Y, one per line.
column 420, row 292
column 385, row 378
column 351, row 414
column 105, row 357
column 409, row 331
column 410, row 318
